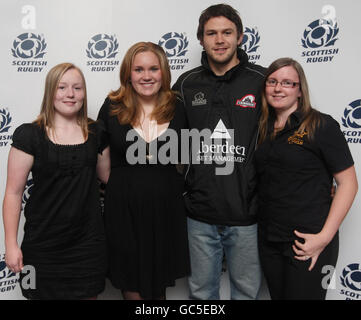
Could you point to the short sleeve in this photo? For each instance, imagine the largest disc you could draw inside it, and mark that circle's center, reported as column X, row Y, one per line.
column 24, row 138
column 104, row 112
column 102, row 136
column 102, row 126
column 334, row 148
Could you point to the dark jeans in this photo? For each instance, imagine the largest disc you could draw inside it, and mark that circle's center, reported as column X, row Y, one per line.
column 289, row 278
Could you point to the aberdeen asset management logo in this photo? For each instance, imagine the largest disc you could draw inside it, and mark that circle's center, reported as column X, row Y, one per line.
column 250, row 44
column 320, row 36
column 5, row 120
column 175, row 46
column 102, row 49
column 220, row 147
column 29, row 50
column 351, row 121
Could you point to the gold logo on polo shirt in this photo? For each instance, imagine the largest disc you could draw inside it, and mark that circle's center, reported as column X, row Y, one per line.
column 297, row 138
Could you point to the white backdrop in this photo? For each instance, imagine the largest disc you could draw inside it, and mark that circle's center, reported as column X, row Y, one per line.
column 322, row 35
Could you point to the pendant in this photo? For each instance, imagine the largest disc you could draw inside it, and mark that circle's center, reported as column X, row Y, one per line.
column 149, row 156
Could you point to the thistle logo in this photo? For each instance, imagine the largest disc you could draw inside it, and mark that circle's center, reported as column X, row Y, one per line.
column 352, row 120
column 351, row 281
column 320, row 37
column 250, row 43
column 28, row 45
column 319, row 34
column 8, row 279
column 102, row 49
column 102, row 46
column 29, row 49
column 175, row 47
column 5, row 120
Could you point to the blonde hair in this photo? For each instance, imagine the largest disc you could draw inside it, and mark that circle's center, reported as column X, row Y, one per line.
column 310, row 118
column 46, row 117
column 125, row 99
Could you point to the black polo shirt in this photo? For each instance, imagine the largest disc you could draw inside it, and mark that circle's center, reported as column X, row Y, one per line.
column 295, row 178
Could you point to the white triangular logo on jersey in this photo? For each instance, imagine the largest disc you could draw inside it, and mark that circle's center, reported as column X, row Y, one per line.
column 220, row 131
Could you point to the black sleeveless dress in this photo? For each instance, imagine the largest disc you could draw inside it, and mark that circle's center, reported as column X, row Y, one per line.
column 63, row 234
column 145, row 218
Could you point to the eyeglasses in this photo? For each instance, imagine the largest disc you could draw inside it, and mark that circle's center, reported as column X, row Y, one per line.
column 284, row 83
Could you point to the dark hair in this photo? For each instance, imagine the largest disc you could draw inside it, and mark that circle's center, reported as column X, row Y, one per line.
column 219, row 10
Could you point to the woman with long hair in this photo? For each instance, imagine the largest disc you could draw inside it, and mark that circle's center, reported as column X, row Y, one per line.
column 300, row 152
column 144, row 212
column 63, row 234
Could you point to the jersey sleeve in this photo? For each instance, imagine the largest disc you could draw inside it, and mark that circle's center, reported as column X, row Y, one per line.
column 24, row 138
column 333, row 146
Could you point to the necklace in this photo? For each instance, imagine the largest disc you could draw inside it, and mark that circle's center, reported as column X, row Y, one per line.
column 152, row 125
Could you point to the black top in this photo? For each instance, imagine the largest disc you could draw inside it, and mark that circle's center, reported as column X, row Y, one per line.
column 221, row 104
column 63, row 233
column 295, row 177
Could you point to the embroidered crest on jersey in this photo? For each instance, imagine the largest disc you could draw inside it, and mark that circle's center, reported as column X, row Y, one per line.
column 199, row 99
column 248, row 101
column 297, row 138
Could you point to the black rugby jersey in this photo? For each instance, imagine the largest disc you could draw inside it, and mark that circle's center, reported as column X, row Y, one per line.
column 228, row 106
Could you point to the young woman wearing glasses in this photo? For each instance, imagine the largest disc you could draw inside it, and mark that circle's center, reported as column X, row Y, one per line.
column 300, row 152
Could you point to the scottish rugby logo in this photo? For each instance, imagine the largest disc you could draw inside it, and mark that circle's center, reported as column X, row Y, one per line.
column 351, row 120
column 29, row 45
column 102, row 46
column 319, row 39
column 5, row 273
column 175, row 46
column 5, row 120
column 28, row 50
column 320, row 33
column 8, row 279
column 250, row 43
column 352, row 115
column 351, row 281
column 351, row 277
column 102, row 49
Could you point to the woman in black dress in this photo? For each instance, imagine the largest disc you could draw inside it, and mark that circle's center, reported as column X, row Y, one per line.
column 63, row 235
column 144, row 213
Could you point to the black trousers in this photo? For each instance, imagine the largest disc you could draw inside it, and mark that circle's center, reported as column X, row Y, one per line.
column 289, row 278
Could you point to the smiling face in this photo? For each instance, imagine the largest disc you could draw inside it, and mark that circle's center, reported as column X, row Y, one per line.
column 146, row 75
column 70, row 94
column 220, row 41
column 280, row 98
